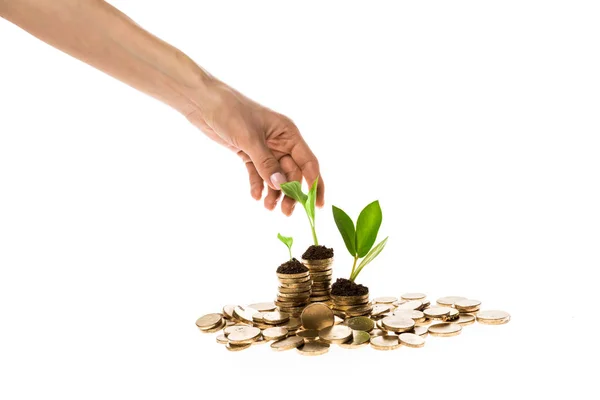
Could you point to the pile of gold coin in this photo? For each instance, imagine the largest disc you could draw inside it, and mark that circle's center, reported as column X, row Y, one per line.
column 321, row 274
column 352, row 306
column 294, row 292
column 390, row 323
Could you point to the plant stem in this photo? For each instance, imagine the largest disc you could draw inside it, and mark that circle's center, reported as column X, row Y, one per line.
column 290, row 250
column 314, row 233
column 352, row 277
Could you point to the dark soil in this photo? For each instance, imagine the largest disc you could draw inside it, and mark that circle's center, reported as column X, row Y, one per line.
column 317, row 253
column 345, row 287
column 291, row 267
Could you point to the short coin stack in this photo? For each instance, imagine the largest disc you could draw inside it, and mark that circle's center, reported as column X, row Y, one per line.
column 391, row 323
column 352, row 306
column 294, row 292
column 321, row 274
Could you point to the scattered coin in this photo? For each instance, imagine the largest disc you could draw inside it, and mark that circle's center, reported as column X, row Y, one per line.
column 445, row 329
column 449, row 301
column 378, row 332
column 216, row 328
column 411, row 340
column 387, row 342
column 245, row 335
column 263, row 307
column 361, row 324
column 244, row 313
column 467, row 305
column 410, row 305
column 233, row 328
column 237, row 347
column 359, row 339
column 398, row 324
column 421, row 330
column 274, row 333
column 258, row 317
column 493, row 317
column 385, row 300
column 209, row 321
column 413, row 296
column 288, row 343
column 222, row 339
column 465, row 319
column 313, row 349
column 335, row 334
column 275, row 317
column 228, row 311
column 308, row 334
column 452, row 316
column 438, row 313
column 380, row 309
column 415, row 315
column 317, row 316
column 260, row 340
column 293, row 324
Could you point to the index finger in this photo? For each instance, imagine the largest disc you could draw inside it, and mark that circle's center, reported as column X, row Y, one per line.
column 309, row 165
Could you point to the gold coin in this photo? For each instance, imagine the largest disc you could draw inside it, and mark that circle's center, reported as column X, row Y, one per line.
column 216, row 328
column 237, row 347
column 320, row 298
column 228, row 311
column 397, row 303
column 263, row 307
column 352, row 307
column 274, row 333
column 234, row 328
column 229, row 322
column 222, row 339
column 351, row 299
column 378, row 332
column 296, row 285
column 465, row 319
column 359, row 311
column 386, row 342
column 411, row 340
column 380, row 309
column 380, row 325
column 445, row 329
column 421, row 330
column 244, row 313
column 413, row 296
column 359, row 339
column 308, row 334
column 275, row 317
column 288, row 343
column 291, row 325
column 292, row 290
column 336, row 334
column 493, row 317
column 313, row 349
column 317, row 316
column 316, row 265
column 384, row 300
column 260, row 340
column 452, row 316
column 365, row 324
column 209, row 321
column 286, row 296
column 415, row 315
column 438, row 313
column 410, row 305
column 398, row 324
column 425, row 305
column 293, row 276
column 449, row 301
column 467, row 305
column 247, row 334
column 258, row 317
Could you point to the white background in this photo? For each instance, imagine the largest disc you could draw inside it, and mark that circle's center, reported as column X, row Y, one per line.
column 474, row 123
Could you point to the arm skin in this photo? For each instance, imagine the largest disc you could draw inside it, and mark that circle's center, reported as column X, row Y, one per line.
column 100, row 35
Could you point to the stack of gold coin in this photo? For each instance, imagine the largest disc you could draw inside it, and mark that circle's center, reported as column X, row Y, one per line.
column 352, row 306
column 320, row 273
column 294, row 292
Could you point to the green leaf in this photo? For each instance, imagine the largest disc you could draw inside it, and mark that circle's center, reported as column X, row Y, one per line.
column 294, row 190
column 367, row 227
column 288, row 241
column 346, row 227
column 370, row 257
column 311, row 200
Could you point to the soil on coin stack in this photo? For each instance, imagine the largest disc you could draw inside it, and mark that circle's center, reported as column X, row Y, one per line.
column 345, row 287
column 317, row 253
column 292, row 267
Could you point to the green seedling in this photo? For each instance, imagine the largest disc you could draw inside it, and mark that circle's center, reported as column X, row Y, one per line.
column 288, row 241
column 360, row 240
column 294, row 190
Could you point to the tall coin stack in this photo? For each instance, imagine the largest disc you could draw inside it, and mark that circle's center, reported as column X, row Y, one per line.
column 321, row 274
column 294, row 292
column 352, row 306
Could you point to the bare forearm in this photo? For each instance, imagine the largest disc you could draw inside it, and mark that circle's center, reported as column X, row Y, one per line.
column 100, row 35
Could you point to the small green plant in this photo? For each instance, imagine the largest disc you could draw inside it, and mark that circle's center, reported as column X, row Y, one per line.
column 288, row 241
column 294, row 190
column 360, row 240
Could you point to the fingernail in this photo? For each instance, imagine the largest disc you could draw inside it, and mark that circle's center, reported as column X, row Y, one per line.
column 277, row 179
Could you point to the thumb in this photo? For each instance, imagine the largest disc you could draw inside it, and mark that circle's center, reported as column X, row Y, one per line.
column 267, row 166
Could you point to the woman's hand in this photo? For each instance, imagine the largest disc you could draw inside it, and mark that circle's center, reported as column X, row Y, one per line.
column 269, row 143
